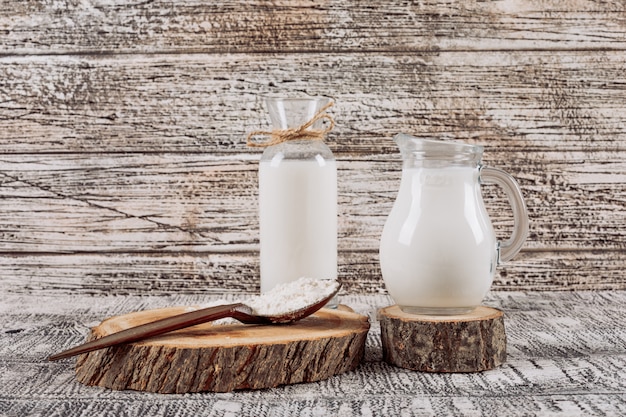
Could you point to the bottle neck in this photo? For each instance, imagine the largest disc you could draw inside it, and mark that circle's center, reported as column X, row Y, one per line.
column 291, row 113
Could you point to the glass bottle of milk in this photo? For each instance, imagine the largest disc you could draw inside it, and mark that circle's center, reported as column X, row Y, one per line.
column 297, row 199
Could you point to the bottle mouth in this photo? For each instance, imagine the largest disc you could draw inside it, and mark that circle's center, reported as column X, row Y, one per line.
column 292, row 112
column 420, row 151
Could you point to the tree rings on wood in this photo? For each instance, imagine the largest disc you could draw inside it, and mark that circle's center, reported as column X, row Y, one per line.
column 469, row 342
column 226, row 357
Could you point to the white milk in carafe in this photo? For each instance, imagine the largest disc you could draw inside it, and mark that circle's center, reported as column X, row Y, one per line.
column 438, row 247
column 298, row 220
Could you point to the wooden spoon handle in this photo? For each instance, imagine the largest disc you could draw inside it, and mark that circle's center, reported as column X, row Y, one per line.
column 144, row 331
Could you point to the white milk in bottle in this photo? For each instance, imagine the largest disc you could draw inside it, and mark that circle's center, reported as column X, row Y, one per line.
column 298, row 221
column 297, row 196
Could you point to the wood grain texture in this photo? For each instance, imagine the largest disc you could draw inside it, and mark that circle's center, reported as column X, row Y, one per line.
column 535, row 101
column 469, row 342
column 122, row 131
column 224, row 358
column 173, row 202
column 238, row 273
column 70, row 26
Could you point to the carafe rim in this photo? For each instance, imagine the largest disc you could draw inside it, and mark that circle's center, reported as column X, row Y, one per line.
column 295, row 98
column 414, row 149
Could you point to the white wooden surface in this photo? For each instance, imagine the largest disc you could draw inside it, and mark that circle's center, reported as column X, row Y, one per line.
column 565, row 358
column 123, row 166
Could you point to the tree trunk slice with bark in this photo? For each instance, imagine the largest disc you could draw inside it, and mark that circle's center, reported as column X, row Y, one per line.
column 226, row 357
column 463, row 343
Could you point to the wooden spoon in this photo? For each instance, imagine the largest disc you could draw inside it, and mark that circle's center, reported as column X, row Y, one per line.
column 239, row 311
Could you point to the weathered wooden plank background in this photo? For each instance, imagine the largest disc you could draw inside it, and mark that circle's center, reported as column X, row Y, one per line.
column 123, row 165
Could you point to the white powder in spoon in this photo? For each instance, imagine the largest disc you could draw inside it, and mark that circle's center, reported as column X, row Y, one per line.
column 293, row 296
column 282, row 299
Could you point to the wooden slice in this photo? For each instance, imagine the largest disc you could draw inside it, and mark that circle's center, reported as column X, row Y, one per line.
column 226, row 357
column 470, row 342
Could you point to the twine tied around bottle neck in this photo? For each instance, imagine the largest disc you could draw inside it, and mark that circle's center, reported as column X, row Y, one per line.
column 277, row 136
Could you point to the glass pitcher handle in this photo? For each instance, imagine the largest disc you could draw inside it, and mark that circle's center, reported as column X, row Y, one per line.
column 509, row 248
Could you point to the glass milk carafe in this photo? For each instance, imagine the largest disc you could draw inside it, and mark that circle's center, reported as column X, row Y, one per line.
column 297, row 200
column 438, row 250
